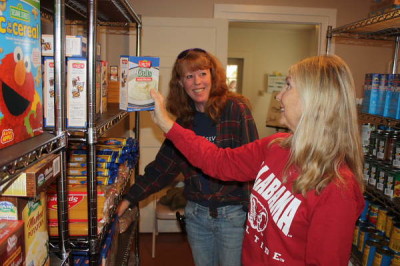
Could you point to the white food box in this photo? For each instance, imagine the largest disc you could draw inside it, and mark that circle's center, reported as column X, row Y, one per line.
column 48, row 91
column 76, row 92
column 138, row 75
column 75, row 46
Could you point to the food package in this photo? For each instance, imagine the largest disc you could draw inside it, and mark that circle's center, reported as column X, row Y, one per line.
column 21, row 115
column 11, row 243
column 138, row 75
column 48, row 91
column 75, row 46
column 33, row 213
column 36, row 178
column 77, row 203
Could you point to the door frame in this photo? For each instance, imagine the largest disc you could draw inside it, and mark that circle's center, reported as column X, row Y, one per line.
column 323, row 17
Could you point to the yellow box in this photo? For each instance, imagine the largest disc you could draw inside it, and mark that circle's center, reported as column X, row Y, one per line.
column 77, row 204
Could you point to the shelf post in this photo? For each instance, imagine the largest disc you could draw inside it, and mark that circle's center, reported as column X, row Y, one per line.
column 90, row 134
column 60, row 124
column 396, row 55
column 328, row 39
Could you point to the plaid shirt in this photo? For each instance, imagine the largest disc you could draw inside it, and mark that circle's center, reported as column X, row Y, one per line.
column 235, row 128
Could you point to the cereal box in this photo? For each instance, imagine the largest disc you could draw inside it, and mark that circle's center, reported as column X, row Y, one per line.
column 11, row 243
column 33, row 213
column 20, row 71
column 138, row 76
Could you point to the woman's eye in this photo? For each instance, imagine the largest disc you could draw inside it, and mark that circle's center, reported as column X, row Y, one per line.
column 189, row 76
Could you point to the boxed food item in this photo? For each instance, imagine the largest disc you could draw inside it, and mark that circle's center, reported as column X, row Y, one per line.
column 48, row 91
column 36, row 178
column 33, row 213
column 76, row 92
column 113, row 73
column 138, row 76
column 104, row 86
column 12, row 243
column 21, row 114
column 77, row 203
column 75, row 46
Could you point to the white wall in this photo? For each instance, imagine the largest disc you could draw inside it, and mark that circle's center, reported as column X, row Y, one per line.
column 266, row 51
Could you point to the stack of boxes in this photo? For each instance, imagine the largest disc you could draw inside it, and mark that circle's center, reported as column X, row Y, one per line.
column 76, row 52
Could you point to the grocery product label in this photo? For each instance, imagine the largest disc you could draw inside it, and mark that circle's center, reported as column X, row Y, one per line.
column 20, row 71
column 139, row 75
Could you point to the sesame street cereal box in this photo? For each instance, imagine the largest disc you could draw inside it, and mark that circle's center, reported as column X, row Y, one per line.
column 138, row 76
column 20, row 71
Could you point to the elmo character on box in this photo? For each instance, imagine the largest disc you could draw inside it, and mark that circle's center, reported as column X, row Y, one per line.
column 20, row 104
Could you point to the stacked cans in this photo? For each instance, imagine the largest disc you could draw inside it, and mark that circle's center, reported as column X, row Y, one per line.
column 377, row 235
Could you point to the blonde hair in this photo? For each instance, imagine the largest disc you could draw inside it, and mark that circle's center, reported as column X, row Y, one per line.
column 178, row 101
column 327, row 134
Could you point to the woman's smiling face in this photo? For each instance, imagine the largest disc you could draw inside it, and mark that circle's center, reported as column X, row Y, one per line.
column 291, row 107
column 197, row 85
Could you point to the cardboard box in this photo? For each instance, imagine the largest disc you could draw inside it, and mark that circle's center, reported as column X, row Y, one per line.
column 75, row 46
column 48, row 91
column 138, row 76
column 33, row 213
column 36, row 178
column 77, row 204
column 12, row 243
column 104, row 86
column 76, row 92
column 21, row 115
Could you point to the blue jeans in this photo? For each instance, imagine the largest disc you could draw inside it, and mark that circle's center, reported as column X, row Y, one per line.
column 215, row 241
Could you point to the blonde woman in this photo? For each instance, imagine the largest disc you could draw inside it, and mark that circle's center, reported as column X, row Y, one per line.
column 308, row 185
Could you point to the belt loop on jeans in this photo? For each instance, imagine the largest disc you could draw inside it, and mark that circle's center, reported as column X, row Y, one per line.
column 213, row 212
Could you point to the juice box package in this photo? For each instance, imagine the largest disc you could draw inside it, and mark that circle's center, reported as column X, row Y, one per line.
column 33, row 212
column 138, row 75
column 11, row 243
column 20, row 72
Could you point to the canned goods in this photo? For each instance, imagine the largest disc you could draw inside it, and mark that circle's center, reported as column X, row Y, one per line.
column 369, row 252
column 396, row 259
column 373, row 213
column 389, row 224
column 396, row 154
column 382, row 142
column 364, row 213
column 392, row 174
column 394, row 242
column 382, row 177
column 367, row 169
column 383, row 256
column 365, row 234
column 381, row 220
column 373, row 173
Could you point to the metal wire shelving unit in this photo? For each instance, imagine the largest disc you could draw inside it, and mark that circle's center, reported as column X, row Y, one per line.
column 384, row 27
column 91, row 13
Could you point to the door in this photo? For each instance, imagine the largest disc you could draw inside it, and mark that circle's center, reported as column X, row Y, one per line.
column 166, row 38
